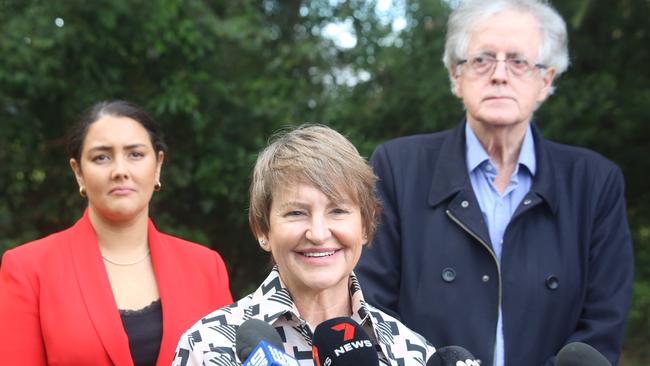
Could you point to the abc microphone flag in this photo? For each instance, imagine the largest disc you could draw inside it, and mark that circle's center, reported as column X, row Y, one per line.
column 260, row 345
column 342, row 342
column 265, row 354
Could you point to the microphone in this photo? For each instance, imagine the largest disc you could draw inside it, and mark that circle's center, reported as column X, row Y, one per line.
column 580, row 354
column 259, row 344
column 453, row 356
column 342, row 342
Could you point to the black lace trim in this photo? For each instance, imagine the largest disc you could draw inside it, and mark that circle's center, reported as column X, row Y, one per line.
column 153, row 307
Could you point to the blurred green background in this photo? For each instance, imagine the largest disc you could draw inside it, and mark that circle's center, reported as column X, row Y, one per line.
column 222, row 76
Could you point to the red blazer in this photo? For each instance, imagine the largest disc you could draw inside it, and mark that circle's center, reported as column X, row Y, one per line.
column 57, row 306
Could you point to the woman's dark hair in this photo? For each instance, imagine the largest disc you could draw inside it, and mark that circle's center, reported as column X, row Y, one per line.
column 115, row 108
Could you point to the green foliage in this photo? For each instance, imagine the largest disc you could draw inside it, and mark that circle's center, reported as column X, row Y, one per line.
column 221, row 76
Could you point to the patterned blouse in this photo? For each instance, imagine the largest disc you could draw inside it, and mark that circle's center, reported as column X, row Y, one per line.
column 211, row 341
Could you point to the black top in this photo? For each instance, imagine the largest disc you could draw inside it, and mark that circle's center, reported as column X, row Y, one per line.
column 144, row 329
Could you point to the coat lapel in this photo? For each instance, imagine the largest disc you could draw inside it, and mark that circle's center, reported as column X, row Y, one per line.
column 450, row 168
column 544, row 184
column 451, row 180
column 96, row 291
column 170, row 288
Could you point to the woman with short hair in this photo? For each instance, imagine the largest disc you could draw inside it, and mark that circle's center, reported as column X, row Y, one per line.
column 312, row 207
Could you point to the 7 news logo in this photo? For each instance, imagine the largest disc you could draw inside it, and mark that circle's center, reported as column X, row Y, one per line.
column 348, row 336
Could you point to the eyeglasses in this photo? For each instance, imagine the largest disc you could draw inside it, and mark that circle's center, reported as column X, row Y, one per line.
column 485, row 64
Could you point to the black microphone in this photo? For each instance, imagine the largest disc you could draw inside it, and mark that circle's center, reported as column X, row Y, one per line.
column 453, row 356
column 258, row 343
column 580, row 354
column 342, row 342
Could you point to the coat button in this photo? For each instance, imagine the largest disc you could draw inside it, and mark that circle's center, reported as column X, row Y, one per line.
column 485, row 278
column 552, row 282
column 464, row 204
column 448, row 275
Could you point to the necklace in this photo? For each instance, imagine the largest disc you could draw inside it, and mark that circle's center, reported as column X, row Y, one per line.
column 127, row 263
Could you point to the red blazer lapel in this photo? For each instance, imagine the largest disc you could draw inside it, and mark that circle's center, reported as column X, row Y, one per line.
column 96, row 291
column 169, row 287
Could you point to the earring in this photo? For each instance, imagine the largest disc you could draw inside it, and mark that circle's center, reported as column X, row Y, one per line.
column 157, row 186
column 262, row 243
column 82, row 192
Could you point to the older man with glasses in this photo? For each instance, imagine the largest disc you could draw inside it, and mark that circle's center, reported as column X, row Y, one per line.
column 492, row 237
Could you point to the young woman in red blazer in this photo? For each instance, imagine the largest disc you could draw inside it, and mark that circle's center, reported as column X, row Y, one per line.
column 110, row 290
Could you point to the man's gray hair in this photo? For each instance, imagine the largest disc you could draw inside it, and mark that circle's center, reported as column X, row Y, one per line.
column 553, row 50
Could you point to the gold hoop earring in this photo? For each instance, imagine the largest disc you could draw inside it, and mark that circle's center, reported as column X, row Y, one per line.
column 82, row 192
column 157, row 186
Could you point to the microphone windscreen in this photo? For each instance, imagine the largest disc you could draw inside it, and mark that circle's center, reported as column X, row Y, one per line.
column 580, row 354
column 342, row 342
column 249, row 335
column 451, row 356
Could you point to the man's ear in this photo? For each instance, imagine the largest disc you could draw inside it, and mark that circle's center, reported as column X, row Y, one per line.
column 547, row 84
column 454, row 77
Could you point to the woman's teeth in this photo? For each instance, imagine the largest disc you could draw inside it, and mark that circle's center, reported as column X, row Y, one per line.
column 320, row 254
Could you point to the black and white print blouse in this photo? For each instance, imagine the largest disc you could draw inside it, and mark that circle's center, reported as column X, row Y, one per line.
column 211, row 341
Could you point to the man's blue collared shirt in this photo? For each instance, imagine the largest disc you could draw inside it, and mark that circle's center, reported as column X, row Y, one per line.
column 498, row 209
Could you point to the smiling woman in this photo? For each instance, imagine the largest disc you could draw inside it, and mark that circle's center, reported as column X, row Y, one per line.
column 313, row 207
column 316, row 242
column 111, row 290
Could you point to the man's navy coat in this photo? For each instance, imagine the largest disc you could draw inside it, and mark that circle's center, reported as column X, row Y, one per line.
column 567, row 264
